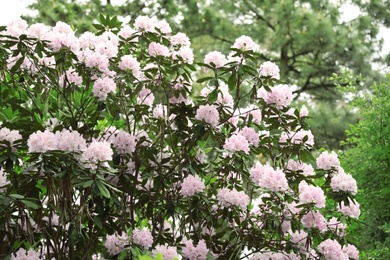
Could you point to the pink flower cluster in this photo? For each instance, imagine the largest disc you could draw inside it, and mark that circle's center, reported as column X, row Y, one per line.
column 97, row 152
column 314, row 219
column 343, row 182
column 115, row 243
column 123, row 142
column 3, row 180
column 70, row 77
column 351, row 251
column 157, row 49
column 311, row 194
column 224, row 97
column 192, row 252
column 269, row 69
column 280, row 95
column 168, row 252
column 328, row 161
column 337, row 227
column 9, row 135
column 191, row 185
column 22, row 254
column 297, row 137
column 245, row 43
column 275, row 256
column 267, row 177
column 251, row 135
column 145, row 97
column 66, row 140
column 331, row 250
column 128, row 62
column 208, row 113
column 307, row 169
column 217, row 58
column 102, row 87
column 142, row 237
column 237, row 143
column 300, row 239
column 353, row 210
column 232, row 197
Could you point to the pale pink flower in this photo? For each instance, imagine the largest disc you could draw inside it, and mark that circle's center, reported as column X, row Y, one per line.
column 245, row 43
column 180, row 39
column 145, row 97
column 160, row 111
column 102, row 87
column 17, row 27
column 127, row 32
column 123, row 142
column 142, row 237
column 144, row 23
column 208, row 114
column 280, row 95
column 328, row 161
column 191, row 185
column 331, row 250
column 71, row 77
column 268, row 178
column 41, row 142
column 351, row 251
column 232, row 197
column 343, row 182
column 164, row 27
column 251, row 135
column 195, row 253
column 185, row 53
column 10, row 136
column 87, row 40
column 128, row 62
column 156, row 49
column 311, row 194
column 307, row 169
column 269, row 69
column 224, row 97
column 215, row 57
column 97, row 152
column 297, row 137
column 353, row 210
column 168, row 252
column 337, row 227
column 304, row 112
column 236, row 143
column 3, row 180
column 300, row 240
column 94, row 59
column 38, row 30
column 22, row 254
column 314, row 219
column 106, row 48
column 115, row 243
column 70, row 141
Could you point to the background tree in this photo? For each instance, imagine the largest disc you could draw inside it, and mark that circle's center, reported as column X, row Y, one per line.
column 368, row 160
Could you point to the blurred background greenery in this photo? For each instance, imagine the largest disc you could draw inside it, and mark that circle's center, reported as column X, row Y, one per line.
column 310, row 41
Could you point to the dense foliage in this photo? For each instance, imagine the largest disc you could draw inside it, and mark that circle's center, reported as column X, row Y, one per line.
column 105, row 153
column 368, row 160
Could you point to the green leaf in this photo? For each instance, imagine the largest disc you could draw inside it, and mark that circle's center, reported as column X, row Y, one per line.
column 103, row 189
column 30, row 204
column 213, row 96
column 98, row 222
column 17, row 65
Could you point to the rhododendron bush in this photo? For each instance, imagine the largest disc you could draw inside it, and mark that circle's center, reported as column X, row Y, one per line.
column 106, row 153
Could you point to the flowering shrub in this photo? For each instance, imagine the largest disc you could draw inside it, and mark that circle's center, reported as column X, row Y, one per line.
column 105, row 152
